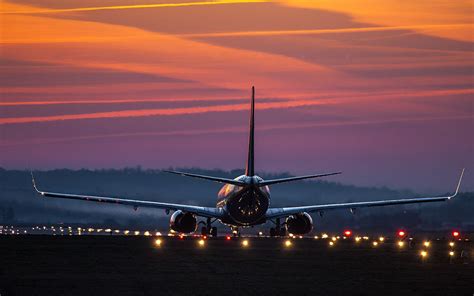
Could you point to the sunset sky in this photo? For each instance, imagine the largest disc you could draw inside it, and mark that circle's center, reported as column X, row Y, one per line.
column 381, row 90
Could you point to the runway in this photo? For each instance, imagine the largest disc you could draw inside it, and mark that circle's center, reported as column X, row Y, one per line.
column 140, row 265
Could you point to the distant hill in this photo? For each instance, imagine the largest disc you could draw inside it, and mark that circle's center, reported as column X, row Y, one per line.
column 19, row 204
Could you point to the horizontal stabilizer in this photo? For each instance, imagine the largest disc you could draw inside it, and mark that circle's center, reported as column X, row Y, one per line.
column 210, row 178
column 291, row 179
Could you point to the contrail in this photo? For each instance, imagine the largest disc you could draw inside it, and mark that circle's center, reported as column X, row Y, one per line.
column 321, row 31
column 137, row 6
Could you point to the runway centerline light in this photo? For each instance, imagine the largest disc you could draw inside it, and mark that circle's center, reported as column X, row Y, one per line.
column 288, row 243
column 158, row 242
column 423, row 254
column 201, row 242
column 245, row 243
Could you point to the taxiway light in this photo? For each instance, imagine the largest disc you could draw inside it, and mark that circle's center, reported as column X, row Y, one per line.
column 455, row 233
column 158, row 242
column 451, row 253
column 427, row 244
column 423, row 254
column 288, row 243
column 401, row 244
column 201, row 242
column 375, row 243
column 347, row 233
column 245, row 243
column 451, row 244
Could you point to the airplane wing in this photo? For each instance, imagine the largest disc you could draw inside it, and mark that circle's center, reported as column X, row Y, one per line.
column 273, row 213
column 199, row 211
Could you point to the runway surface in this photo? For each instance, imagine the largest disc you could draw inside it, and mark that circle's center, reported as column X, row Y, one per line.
column 120, row 265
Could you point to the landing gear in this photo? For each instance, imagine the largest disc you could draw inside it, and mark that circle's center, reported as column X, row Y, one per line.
column 278, row 230
column 235, row 232
column 208, row 229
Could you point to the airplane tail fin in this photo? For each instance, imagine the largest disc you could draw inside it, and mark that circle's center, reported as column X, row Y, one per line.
column 249, row 169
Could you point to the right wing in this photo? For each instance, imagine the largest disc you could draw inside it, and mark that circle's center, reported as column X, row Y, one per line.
column 210, row 178
column 273, row 213
column 200, row 211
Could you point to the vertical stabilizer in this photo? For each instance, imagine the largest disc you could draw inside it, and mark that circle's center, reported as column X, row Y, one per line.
column 249, row 170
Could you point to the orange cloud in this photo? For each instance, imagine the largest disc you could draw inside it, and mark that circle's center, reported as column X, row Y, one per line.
column 404, row 13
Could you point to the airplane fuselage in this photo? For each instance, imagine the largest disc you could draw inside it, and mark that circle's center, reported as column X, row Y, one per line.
column 244, row 205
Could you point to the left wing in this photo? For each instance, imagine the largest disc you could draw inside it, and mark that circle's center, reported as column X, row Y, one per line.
column 284, row 212
column 200, row 211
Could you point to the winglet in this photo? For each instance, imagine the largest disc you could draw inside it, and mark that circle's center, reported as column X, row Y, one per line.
column 459, row 185
column 34, row 183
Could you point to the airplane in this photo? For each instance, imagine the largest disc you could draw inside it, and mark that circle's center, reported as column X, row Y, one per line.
column 245, row 201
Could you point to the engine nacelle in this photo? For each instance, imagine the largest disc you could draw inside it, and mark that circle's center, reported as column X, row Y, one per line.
column 300, row 223
column 183, row 222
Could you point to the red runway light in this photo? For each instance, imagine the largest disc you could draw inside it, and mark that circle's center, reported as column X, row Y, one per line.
column 455, row 233
column 228, row 237
column 401, row 233
column 347, row 233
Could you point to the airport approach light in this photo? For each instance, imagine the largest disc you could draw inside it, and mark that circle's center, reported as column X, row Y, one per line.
column 401, row 244
column 426, row 244
column 451, row 244
column 158, row 242
column 347, row 233
column 375, row 243
column 245, row 243
column 423, row 254
column 288, row 243
column 201, row 242
column 455, row 233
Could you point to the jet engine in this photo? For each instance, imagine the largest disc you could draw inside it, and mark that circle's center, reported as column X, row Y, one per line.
column 300, row 223
column 183, row 222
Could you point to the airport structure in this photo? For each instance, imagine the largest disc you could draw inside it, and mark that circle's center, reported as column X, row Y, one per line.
column 245, row 201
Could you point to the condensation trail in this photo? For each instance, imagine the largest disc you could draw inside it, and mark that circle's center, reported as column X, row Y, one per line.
column 137, row 6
